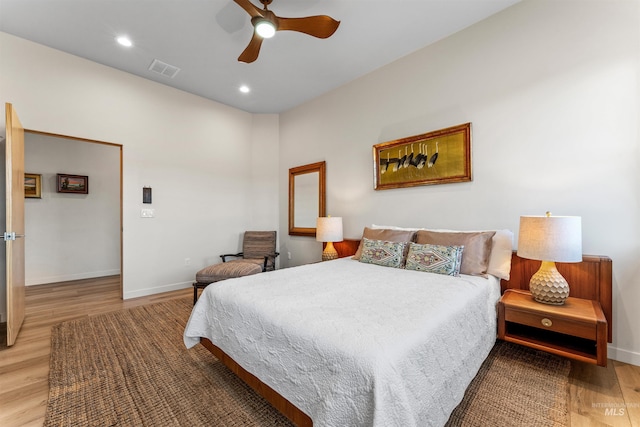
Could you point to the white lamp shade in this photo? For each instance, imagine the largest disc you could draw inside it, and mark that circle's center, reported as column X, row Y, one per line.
column 550, row 238
column 329, row 229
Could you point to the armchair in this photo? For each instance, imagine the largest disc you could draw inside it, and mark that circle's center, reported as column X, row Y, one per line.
column 258, row 255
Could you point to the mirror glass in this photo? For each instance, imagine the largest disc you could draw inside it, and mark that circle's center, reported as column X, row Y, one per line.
column 306, row 205
column 306, row 198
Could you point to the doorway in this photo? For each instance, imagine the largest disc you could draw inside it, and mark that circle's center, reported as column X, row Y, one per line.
column 73, row 235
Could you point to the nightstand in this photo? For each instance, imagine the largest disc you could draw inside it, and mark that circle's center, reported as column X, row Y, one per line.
column 576, row 330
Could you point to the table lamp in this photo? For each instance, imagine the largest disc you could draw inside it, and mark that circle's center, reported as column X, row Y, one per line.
column 550, row 239
column 329, row 230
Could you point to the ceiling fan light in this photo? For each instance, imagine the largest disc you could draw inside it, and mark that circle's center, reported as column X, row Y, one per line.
column 265, row 29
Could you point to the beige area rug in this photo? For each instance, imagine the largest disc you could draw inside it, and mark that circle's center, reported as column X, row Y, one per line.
column 516, row 386
column 130, row 368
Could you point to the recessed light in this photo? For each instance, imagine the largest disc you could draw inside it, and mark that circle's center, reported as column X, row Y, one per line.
column 124, row 41
column 244, row 89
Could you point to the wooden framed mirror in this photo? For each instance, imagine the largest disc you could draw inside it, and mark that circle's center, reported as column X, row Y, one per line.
column 306, row 198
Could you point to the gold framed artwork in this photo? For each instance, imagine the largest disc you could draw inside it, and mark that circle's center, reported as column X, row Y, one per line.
column 32, row 186
column 438, row 157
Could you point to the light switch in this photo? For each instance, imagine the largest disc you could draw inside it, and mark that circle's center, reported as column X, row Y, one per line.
column 147, row 213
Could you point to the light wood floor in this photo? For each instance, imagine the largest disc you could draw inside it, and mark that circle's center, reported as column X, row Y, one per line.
column 24, row 367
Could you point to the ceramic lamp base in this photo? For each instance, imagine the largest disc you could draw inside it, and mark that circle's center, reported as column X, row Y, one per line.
column 548, row 286
column 329, row 252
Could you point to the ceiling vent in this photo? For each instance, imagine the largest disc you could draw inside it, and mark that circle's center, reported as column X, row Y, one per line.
column 164, row 68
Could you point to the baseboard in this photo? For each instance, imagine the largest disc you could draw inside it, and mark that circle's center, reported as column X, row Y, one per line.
column 621, row 355
column 157, row 290
column 69, row 277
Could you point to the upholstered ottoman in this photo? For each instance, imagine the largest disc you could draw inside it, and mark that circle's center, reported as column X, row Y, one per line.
column 222, row 271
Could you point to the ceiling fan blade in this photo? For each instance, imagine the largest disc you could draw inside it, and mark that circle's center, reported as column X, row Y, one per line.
column 252, row 50
column 321, row 26
column 250, row 8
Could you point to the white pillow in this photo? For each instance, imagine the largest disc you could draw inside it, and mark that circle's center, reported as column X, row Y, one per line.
column 501, row 248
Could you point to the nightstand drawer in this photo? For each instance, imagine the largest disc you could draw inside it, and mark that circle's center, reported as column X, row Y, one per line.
column 577, row 329
column 552, row 323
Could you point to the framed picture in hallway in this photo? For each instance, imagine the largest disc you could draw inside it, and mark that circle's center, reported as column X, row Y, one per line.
column 436, row 157
column 32, row 186
column 76, row 184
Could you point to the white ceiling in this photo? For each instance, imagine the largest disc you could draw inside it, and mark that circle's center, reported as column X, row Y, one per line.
column 205, row 37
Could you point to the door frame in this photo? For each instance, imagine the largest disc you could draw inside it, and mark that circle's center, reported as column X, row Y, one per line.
column 95, row 141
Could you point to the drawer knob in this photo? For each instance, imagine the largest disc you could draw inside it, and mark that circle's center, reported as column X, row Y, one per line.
column 546, row 322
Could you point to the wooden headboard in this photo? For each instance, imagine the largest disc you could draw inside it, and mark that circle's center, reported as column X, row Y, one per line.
column 590, row 279
column 347, row 247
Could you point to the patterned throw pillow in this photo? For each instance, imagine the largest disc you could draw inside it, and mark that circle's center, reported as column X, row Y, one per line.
column 477, row 247
column 435, row 259
column 380, row 252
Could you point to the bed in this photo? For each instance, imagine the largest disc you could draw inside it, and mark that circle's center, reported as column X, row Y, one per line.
column 352, row 343
column 590, row 279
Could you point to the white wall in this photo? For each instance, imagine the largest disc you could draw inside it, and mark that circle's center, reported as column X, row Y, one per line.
column 188, row 149
column 72, row 236
column 551, row 90
column 264, row 166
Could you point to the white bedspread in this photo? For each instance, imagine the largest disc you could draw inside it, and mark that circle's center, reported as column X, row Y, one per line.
column 354, row 344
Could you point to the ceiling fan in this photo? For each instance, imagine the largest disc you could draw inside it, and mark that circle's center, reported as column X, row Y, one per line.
column 266, row 23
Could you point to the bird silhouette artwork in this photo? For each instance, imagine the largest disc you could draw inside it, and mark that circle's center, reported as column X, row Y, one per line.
column 410, row 159
column 384, row 164
column 396, row 162
column 432, row 160
column 421, row 158
column 401, row 162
